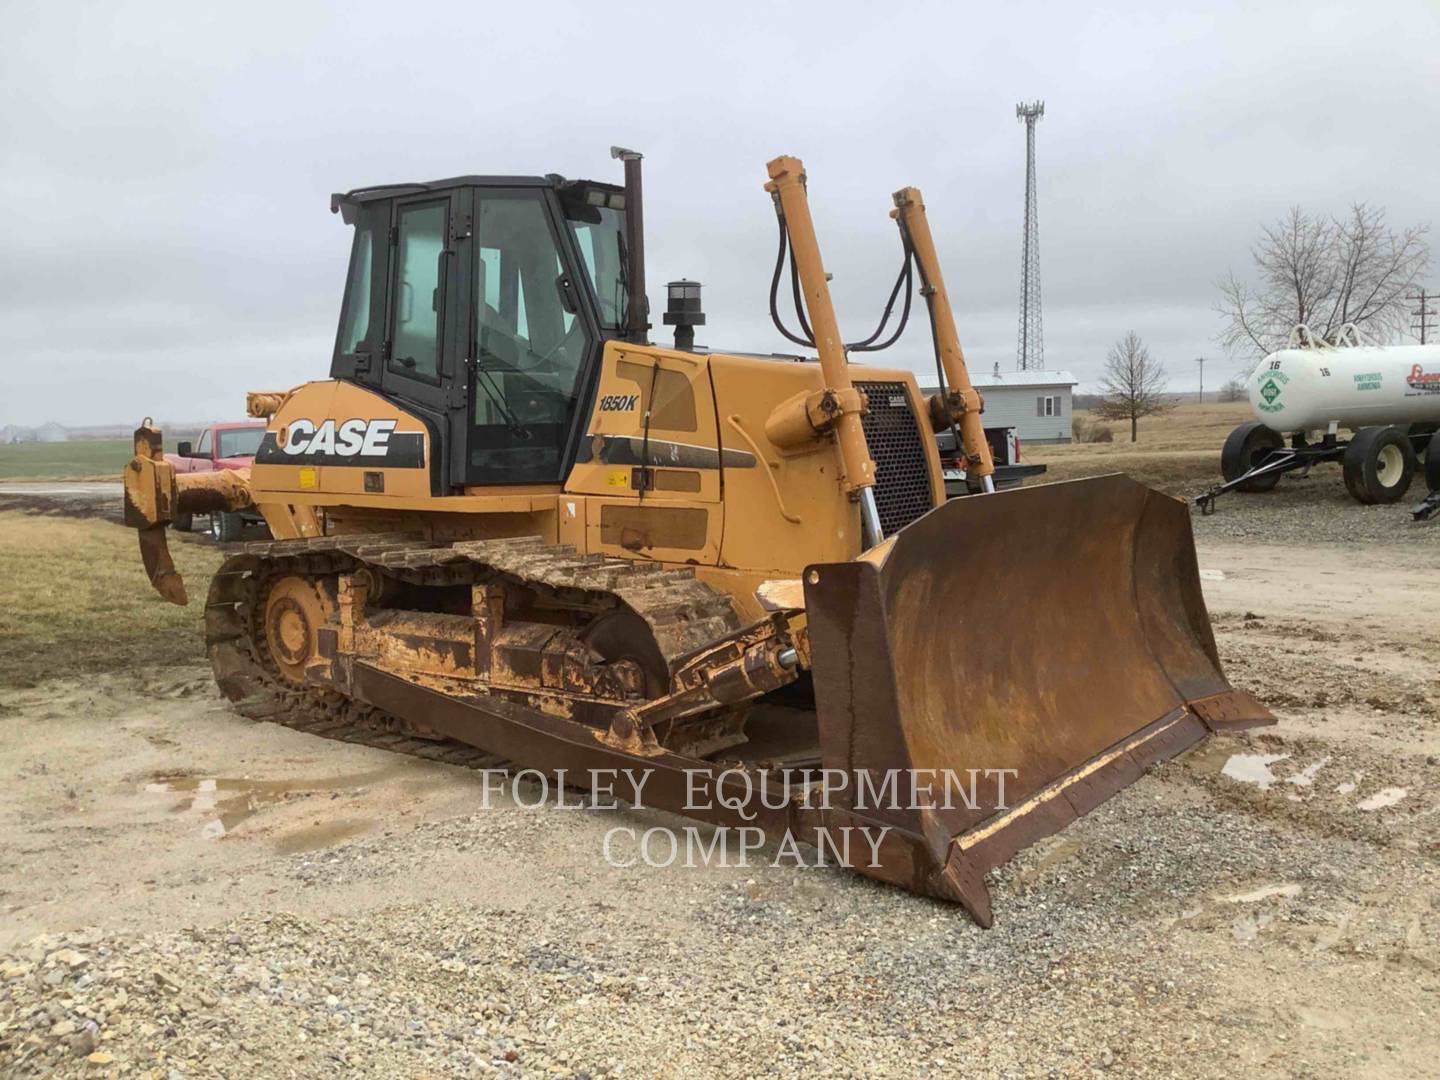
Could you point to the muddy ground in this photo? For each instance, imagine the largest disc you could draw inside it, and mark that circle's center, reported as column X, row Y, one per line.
column 185, row 892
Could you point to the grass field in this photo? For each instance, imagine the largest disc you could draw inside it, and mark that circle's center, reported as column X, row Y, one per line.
column 77, row 600
column 84, row 459
column 1177, row 452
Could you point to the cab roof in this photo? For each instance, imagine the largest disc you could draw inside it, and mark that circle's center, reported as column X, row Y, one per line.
column 358, row 196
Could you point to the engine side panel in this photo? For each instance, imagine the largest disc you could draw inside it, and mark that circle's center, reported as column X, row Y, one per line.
column 648, row 473
column 334, row 438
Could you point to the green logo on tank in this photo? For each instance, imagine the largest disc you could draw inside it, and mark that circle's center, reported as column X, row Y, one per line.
column 1270, row 391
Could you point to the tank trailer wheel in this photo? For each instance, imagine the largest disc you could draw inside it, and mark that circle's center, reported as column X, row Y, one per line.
column 183, row 523
column 293, row 614
column 1246, row 447
column 1378, row 465
column 1432, row 465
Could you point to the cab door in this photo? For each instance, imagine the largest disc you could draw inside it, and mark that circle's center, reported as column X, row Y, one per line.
column 533, row 342
column 424, row 321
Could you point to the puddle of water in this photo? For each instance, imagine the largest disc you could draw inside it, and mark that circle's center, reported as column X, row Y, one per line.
column 1246, row 929
column 1384, row 797
column 234, row 799
column 322, row 835
column 1252, row 768
column 1288, row 891
column 1306, row 776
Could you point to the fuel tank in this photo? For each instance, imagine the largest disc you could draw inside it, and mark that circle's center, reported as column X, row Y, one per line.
column 1353, row 387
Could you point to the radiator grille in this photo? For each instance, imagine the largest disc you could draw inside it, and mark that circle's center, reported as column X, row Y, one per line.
column 902, row 477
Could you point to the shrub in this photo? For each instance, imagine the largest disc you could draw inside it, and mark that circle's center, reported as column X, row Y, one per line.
column 1085, row 430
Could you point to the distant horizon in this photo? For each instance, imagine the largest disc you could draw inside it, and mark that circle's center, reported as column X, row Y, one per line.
column 122, row 429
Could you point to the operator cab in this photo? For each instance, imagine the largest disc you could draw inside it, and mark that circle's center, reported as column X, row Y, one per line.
column 481, row 304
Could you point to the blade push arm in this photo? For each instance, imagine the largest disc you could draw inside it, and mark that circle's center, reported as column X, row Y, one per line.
column 155, row 494
column 958, row 404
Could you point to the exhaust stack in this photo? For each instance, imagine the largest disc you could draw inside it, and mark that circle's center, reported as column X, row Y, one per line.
column 637, row 319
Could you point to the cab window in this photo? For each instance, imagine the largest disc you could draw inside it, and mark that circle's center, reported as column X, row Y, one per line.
column 202, row 448
column 416, row 299
column 529, row 350
column 600, row 235
column 355, row 321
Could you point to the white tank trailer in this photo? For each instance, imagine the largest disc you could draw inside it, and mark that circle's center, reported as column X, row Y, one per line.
column 1372, row 408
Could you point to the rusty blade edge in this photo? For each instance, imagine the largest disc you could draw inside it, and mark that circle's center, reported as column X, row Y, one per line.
column 1106, row 774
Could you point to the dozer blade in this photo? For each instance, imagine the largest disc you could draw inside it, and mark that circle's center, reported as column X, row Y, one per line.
column 1052, row 640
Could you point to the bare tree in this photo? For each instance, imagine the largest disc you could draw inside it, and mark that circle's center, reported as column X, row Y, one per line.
column 1134, row 384
column 1234, row 390
column 1323, row 272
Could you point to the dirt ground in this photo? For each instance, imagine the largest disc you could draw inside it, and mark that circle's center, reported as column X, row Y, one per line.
column 1176, row 451
column 186, row 892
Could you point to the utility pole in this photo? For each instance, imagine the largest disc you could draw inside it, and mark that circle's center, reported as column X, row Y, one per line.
column 1424, row 316
column 1031, row 352
column 1201, row 361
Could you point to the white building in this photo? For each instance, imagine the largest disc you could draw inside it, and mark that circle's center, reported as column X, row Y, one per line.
column 50, row 432
column 1036, row 403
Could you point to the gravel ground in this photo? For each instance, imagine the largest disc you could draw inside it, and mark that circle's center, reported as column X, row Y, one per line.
column 1106, row 956
column 1266, row 904
column 1316, row 509
column 1192, row 925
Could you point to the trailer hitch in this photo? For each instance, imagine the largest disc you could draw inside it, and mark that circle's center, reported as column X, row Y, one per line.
column 1281, row 462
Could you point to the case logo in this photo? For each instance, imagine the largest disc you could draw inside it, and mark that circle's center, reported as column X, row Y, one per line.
column 364, row 438
column 619, row 402
column 351, row 444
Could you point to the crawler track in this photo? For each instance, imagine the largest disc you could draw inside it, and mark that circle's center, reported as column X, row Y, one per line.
column 682, row 614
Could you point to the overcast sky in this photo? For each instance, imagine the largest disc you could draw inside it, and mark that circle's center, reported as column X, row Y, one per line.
column 166, row 167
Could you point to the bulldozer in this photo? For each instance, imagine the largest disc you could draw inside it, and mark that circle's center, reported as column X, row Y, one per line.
column 511, row 528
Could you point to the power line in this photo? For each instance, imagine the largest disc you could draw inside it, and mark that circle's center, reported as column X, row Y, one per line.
column 1031, row 351
column 1423, row 318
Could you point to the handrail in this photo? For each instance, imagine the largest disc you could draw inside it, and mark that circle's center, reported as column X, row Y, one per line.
column 734, row 421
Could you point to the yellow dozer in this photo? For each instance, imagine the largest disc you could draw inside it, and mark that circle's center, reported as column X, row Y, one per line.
column 510, row 528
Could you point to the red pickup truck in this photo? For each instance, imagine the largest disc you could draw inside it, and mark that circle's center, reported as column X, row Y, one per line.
column 220, row 446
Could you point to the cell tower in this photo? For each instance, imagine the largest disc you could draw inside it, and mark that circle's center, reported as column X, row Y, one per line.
column 1031, row 352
